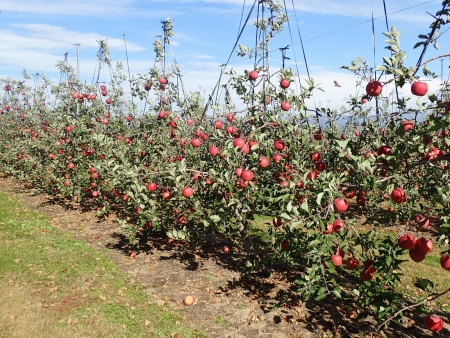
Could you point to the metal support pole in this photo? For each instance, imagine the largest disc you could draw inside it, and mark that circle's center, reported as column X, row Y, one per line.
column 78, row 60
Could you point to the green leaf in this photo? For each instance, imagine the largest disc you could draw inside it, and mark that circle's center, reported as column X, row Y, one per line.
column 214, row 218
column 424, row 284
column 319, row 198
column 304, row 206
column 337, row 292
column 381, row 68
column 289, row 207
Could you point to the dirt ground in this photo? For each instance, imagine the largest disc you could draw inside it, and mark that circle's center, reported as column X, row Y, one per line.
column 226, row 304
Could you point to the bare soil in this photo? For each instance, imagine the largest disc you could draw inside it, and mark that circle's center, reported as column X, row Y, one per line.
column 226, row 304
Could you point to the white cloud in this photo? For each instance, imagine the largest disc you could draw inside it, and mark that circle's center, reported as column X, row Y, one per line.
column 98, row 8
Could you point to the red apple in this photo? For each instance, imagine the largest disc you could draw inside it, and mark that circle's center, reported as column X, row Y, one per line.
column 336, row 259
column 213, row 150
column 433, row 323
column 277, row 158
column 253, row 75
column 264, row 162
column 445, row 262
column 279, row 145
column 374, row 88
column 315, row 156
column 398, row 195
column 340, row 205
column 277, row 222
column 423, row 245
column 406, row 241
column 416, row 255
column 285, row 106
column 352, row 263
column 284, row 83
column 247, row 175
column 187, row 192
column 419, row 88
column 329, row 229
column 196, row 142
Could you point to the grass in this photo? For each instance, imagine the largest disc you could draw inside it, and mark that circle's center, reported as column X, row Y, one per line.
column 54, row 286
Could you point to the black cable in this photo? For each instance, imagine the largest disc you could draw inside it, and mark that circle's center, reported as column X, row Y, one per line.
column 301, row 43
column 229, row 57
column 425, row 45
column 128, row 65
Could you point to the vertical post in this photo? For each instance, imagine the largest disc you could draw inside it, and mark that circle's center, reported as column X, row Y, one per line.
column 442, row 71
column 78, row 60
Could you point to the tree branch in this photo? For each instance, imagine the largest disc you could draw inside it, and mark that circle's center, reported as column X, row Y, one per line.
column 432, row 59
column 428, row 299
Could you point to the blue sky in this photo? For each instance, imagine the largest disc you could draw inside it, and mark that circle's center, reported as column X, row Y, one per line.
column 35, row 34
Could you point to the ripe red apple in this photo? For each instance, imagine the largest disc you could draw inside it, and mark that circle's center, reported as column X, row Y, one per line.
column 239, row 142
column 312, row 175
column 406, row 241
column 285, row 106
column 321, row 166
column 349, row 192
column 152, row 186
column 329, row 229
column 70, row 165
column 94, row 193
column 340, row 205
column 162, row 80
column 253, row 75
column 336, row 259
column 284, row 83
column 162, row 114
column 166, row 195
column 230, row 117
column 264, row 162
column 366, row 275
column 132, row 254
column 247, row 175
column 423, row 245
column 422, row 221
column 318, row 136
column 277, row 158
column 416, row 255
column 398, row 195
column 67, row 183
column 385, row 150
column 187, row 192
column 279, row 145
column 407, row 125
column 445, row 262
column 337, row 225
column 315, row 156
column 433, row 323
column 213, row 150
column 374, row 88
column 277, row 222
column 419, row 88
column 352, row 263
column 218, row 124
column 196, row 142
